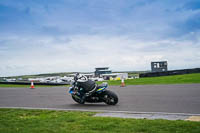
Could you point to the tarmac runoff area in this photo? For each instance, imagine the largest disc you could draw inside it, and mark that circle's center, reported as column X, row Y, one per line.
column 153, row 116
column 171, row 102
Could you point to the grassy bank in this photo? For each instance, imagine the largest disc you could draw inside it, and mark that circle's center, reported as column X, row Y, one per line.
column 175, row 79
column 43, row 121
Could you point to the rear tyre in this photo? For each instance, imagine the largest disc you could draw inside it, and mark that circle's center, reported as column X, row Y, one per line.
column 110, row 98
column 78, row 100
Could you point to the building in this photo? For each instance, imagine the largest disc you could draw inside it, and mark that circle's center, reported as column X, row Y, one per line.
column 159, row 66
column 102, row 70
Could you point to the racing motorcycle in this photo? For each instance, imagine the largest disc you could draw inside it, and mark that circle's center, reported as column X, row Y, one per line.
column 94, row 93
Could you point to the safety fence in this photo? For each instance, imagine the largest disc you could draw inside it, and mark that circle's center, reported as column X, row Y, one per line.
column 36, row 83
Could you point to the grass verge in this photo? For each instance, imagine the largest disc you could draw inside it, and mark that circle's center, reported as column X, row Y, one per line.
column 44, row 121
column 175, row 79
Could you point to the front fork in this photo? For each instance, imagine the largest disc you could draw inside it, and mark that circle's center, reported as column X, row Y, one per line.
column 78, row 93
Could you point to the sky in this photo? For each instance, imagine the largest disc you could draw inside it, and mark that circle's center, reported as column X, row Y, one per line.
column 47, row 36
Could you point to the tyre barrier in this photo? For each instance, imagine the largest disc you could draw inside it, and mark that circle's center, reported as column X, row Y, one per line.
column 36, row 83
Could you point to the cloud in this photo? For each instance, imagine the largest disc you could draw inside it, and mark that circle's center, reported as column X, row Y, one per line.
column 85, row 52
column 66, row 35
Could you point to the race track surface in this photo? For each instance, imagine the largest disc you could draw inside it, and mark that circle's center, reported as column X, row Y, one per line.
column 183, row 98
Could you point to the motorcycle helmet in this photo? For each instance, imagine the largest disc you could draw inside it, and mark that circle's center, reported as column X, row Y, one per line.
column 82, row 78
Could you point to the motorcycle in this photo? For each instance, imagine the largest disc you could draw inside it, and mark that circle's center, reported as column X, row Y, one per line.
column 99, row 94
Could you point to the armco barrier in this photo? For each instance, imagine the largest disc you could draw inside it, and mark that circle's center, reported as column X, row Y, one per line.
column 35, row 83
column 173, row 72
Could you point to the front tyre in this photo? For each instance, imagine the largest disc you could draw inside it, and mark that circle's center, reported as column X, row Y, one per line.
column 77, row 99
column 110, row 98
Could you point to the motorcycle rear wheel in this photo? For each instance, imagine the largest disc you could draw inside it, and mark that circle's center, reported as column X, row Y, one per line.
column 110, row 98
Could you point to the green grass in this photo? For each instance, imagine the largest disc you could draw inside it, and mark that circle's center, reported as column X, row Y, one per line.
column 175, row 79
column 27, row 86
column 43, row 121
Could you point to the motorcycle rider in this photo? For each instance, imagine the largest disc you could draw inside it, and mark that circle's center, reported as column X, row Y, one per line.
column 85, row 86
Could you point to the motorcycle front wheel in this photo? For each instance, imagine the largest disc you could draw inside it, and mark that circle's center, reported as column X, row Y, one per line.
column 78, row 100
column 110, row 98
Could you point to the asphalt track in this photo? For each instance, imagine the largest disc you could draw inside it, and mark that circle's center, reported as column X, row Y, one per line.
column 183, row 98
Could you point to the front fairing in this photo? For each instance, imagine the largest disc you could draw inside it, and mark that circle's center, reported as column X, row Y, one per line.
column 71, row 90
column 74, row 91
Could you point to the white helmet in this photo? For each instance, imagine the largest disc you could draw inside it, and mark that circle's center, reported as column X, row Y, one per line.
column 81, row 78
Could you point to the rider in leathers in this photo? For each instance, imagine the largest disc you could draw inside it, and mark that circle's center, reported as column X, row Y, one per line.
column 88, row 86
